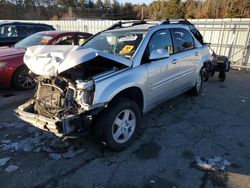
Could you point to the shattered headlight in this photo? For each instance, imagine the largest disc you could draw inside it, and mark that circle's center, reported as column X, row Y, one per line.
column 85, row 92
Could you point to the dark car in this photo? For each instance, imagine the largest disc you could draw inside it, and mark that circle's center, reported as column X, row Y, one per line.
column 12, row 32
column 13, row 72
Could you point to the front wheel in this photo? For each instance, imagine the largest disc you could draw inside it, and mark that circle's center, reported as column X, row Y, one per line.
column 120, row 123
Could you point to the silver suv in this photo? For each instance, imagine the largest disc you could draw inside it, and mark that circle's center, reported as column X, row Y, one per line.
column 115, row 77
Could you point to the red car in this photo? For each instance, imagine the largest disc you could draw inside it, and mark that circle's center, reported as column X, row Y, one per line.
column 14, row 73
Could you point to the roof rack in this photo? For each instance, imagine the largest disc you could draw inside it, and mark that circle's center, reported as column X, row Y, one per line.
column 176, row 21
column 121, row 24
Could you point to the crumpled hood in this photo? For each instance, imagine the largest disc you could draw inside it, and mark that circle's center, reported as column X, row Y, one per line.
column 52, row 60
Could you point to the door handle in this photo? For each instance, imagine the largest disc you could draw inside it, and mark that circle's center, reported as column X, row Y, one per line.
column 174, row 61
column 196, row 53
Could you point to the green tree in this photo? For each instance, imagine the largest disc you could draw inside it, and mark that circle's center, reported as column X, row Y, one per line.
column 90, row 4
column 107, row 4
column 155, row 10
column 173, row 9
column 99, row 4
column 116, row 7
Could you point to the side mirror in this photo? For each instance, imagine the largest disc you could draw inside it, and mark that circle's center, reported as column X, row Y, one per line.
column 158, row 54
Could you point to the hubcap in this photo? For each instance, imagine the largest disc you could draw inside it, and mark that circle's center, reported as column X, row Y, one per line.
column 124, row 126
column 24, row 80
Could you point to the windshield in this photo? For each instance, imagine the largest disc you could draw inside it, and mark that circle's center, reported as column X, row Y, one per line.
column 35, row 39
column 123, row 43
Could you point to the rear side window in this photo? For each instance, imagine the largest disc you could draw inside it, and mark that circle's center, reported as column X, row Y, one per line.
column 198, row 35
column 183, row 40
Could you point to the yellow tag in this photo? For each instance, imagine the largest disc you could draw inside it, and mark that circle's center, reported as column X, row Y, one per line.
column 127, row 49
column 220, row 61
column 45, row 40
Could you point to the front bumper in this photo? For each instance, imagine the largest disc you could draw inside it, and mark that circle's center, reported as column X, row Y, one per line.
column 60, row 126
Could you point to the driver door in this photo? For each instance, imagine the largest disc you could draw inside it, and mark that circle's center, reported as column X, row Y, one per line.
column 163, row 74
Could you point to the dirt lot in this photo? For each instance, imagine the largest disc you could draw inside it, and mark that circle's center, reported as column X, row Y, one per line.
column 216, row 123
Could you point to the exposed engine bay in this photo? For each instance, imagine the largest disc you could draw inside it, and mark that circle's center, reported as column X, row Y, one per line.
column 60, row 101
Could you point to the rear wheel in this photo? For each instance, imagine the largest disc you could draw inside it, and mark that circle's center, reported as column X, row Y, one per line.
column 21, row 79
column 222, row 76
column 198, row 85
column 204, row 74
column 120, row 123
column 212, row 73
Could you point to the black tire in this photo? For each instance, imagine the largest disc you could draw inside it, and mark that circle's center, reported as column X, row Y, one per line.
column 222, row 76
column 204, row 74
column 212, row 73
column 21, row 79
column 105, row 123
column 196, row 90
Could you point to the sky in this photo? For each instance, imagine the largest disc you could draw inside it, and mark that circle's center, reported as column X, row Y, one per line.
column 136, row 1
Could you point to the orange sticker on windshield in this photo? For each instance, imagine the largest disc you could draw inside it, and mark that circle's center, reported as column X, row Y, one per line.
column 127, row 49
column 45, row 40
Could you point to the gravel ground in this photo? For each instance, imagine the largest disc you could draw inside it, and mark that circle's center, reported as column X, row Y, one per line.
column 214, row 124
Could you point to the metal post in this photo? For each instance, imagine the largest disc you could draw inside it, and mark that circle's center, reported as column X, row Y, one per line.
column 244, row 53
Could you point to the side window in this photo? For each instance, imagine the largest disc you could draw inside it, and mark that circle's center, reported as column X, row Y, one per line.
column 65, row 40
column 25, row 30
column 8, row 31
column 161, row 40
column 41, row 28
column 81, row 39
column 183, row 40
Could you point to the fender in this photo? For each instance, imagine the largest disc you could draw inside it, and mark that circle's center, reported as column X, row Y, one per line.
column 107, row 89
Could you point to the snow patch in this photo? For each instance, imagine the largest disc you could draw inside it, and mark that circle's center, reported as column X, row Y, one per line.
column 211, row 164
column 3, row 161
column 11, row 168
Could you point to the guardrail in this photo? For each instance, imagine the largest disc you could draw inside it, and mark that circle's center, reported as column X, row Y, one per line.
column 230, row 37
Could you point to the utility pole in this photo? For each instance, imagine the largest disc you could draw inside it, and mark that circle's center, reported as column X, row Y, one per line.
column 162, row 6
column 142, row 12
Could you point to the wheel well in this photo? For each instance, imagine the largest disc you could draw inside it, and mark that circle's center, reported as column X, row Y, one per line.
column 132, row 93
column 12, row 78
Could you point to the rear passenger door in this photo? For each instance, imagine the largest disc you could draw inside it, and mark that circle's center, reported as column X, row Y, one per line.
column 163, row 74
column 187, row 56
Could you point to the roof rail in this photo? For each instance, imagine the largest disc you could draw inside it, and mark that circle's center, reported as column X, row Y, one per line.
column 120, row 24
column 175, row 21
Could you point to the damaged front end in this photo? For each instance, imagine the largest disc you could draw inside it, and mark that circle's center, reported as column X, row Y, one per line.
column 58, row 105
column 64, row 97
